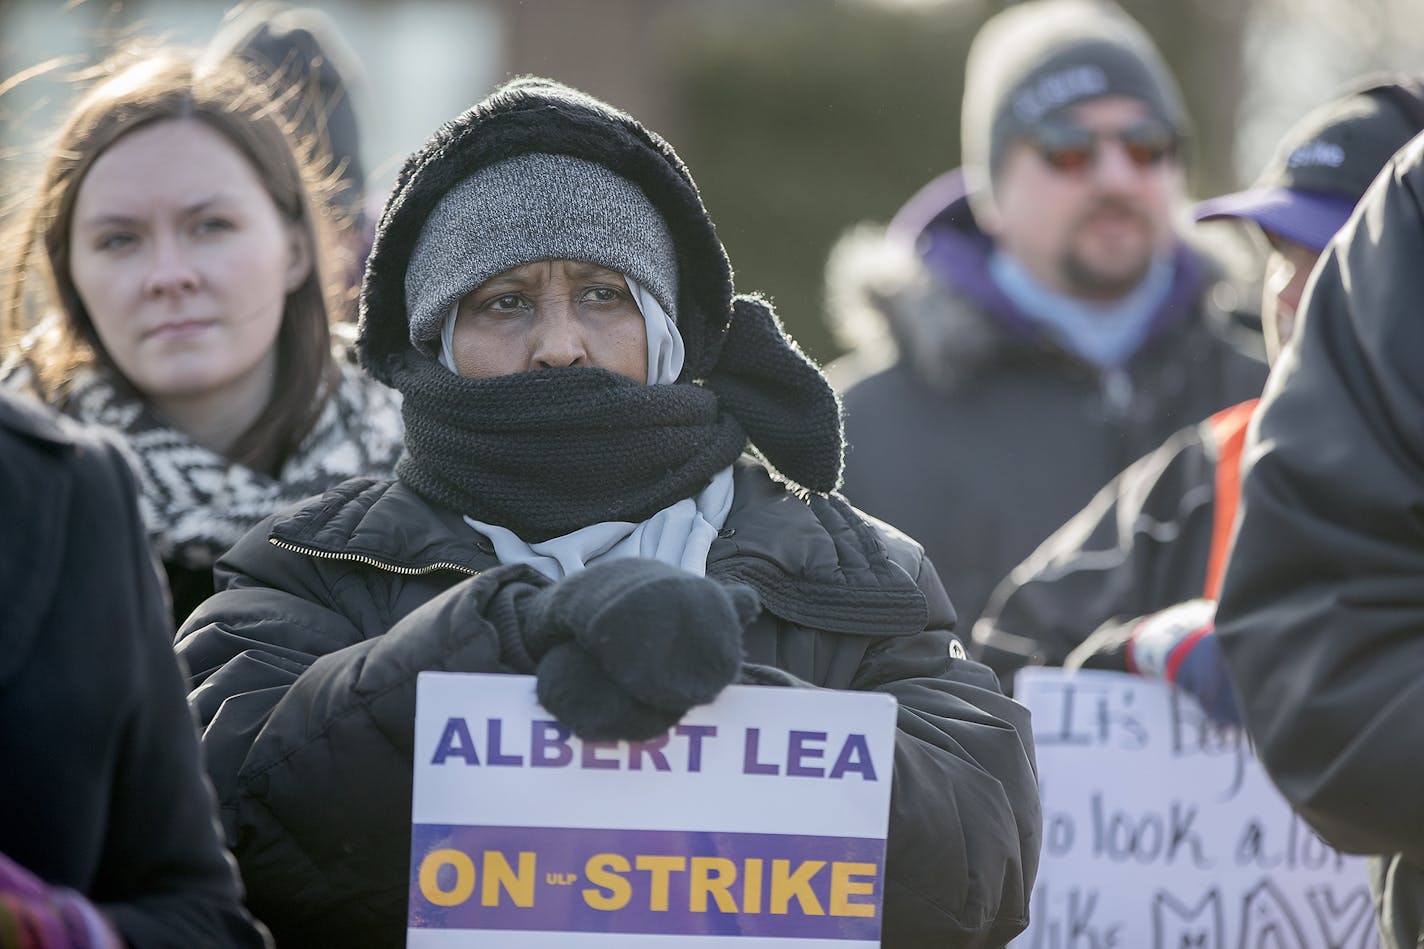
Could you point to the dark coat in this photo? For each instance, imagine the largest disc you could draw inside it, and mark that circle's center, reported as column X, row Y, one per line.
column 975, row 433
column 195, row 502
column 1321, row 618
column 102, row 790
column 304, row 670
column 1144, row 543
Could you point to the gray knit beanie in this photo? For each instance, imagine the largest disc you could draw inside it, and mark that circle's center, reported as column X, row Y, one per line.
column 534, row 207
column 1035, row 59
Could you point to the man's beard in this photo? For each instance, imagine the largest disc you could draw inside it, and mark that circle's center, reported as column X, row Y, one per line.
column 1095, row 283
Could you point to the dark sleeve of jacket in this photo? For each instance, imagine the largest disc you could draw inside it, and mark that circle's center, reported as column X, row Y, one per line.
column 118, row 807
column 965, row 825
column 162, row 806
column 1141, row 545
column 307, row 708
column 1322, row 609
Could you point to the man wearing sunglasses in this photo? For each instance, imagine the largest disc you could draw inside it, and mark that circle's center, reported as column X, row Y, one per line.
column 1048, row 322
column 1131, row 582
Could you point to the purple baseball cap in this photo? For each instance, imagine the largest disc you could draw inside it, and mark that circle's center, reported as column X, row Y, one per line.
column 1306, row 217
column 1325, row 163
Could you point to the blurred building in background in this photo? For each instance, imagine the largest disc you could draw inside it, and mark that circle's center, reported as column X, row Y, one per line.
column 797, row 117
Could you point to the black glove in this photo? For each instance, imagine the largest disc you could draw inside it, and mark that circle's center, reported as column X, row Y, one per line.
column 628, row 646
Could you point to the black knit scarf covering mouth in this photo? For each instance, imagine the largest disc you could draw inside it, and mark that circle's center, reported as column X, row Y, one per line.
column 546, row 452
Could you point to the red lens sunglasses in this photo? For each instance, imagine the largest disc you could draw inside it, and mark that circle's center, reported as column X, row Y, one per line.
column 1072, row 149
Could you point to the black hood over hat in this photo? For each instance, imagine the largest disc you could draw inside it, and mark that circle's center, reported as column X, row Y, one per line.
column 736, row 353
column 530, row 115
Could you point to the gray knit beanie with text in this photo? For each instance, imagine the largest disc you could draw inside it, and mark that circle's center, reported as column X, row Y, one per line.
column 1035, row 59
column 534, row 207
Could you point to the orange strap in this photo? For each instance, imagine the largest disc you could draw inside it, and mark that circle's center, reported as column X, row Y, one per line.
column 1228, row 428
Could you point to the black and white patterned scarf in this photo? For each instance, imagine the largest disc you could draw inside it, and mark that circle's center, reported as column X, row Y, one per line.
column 196, row 503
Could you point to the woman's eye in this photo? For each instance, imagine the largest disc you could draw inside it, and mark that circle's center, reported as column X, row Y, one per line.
column 508, row 301
column 601, row 294
column 213, row 225
column 116, row 241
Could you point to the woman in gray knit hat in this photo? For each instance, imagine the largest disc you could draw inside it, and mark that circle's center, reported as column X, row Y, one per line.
column 601, row 439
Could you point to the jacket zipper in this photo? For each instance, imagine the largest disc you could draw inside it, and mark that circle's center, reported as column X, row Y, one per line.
column 1116, row 389
column 361, row 558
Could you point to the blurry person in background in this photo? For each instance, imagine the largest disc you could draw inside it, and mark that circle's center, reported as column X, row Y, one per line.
column 1131, row 582
column 301, row 57
column 175, row 260
column 581, row 388
column 1321, row 618
column 1044, row 322
column 108, row 830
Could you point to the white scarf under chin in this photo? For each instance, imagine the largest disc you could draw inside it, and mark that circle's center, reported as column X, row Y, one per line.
column 679, row 535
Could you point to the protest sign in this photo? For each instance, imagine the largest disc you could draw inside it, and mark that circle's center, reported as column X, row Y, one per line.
column 759, row 819
column 1162, row 831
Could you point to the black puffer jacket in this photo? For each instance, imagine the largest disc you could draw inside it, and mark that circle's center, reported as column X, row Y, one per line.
column 102, row 790
column 1321, row 617
column 304, row 670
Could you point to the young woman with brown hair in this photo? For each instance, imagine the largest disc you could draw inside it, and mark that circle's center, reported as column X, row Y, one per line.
column 169, row 281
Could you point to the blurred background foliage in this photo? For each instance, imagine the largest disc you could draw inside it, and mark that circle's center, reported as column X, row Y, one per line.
column 798, row 118
column 797, row 126
column 865, row 110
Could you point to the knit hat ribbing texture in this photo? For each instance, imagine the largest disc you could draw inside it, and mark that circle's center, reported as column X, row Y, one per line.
column 1035, row 59
column 528, row 208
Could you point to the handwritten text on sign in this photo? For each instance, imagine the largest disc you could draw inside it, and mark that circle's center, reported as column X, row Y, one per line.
column 1162, row 831
column 761, row 817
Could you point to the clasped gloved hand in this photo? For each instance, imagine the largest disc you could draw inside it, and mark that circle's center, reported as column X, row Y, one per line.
column 627, row 646
column 1179, row 644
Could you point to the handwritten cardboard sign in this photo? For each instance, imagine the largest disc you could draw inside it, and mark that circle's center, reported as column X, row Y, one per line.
column 1162, row 831
column 759, row 819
